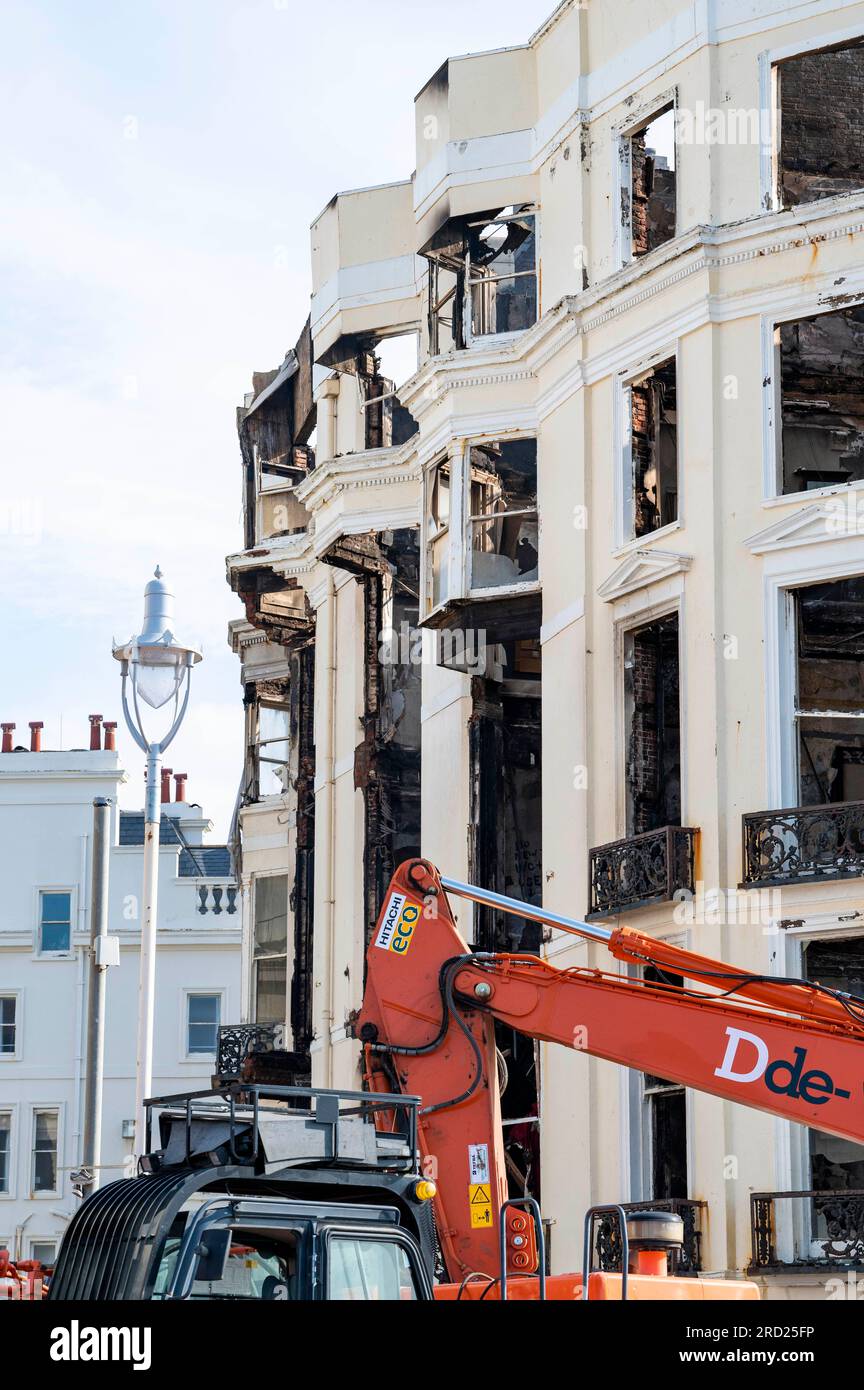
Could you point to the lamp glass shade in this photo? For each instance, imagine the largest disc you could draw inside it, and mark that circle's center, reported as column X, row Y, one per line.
column 157, row 681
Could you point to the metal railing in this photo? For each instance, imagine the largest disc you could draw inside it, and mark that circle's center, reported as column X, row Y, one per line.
column 641, row 869
column 832, row 1224
column 804, row 844
column 685, row 1262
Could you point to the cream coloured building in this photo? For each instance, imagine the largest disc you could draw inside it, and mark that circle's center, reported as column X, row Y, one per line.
column 554, row 570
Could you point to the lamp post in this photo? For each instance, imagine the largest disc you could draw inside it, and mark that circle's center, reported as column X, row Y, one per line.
column 159, row 670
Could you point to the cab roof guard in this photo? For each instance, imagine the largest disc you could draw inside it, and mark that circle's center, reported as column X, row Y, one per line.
column 306, row 1124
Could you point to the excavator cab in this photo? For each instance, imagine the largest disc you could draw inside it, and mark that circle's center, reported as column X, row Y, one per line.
column 261, row 1193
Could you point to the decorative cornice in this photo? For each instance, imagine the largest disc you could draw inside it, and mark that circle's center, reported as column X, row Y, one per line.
column 353, row 472
column 641, row 568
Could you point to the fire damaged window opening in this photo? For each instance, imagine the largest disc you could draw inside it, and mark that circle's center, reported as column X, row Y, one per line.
column 438, row 494
column 649, row 183
column 829, row 713
column 387, row 422
column 483, row 279
column 664, row 1122
column 387, row 762
column 819, row 139
column 819, row 376
column 835, row 1164
column 506, row 856
column 653, row 726
column 651, row 458
column 275, row 427
column 503, row 517
column 281, row 762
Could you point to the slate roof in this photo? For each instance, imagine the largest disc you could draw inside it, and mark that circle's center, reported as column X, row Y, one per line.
column 198, row 861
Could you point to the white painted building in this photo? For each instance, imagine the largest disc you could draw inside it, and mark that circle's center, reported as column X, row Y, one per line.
column 46, row 823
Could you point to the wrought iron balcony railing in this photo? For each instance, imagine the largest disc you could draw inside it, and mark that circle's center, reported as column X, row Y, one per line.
column 687, row 1262
column 642, row 869
column 807, row 844
column 242, row 1040
column 826, row 1230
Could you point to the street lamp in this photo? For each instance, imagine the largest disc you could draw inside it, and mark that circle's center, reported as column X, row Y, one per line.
column 159, row 669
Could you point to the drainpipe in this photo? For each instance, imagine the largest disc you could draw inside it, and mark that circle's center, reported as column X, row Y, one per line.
column 325, row 755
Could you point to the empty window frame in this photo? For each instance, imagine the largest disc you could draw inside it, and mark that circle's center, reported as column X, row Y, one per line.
column 55, row 923
column 819, row 400
column 438, row 499
column 8, row 1025
column 649, row 184
column 45, row 1251
column 270, row 949
column 502, row 516
column 501, row 271
column 652, row 709
column 273, row 748
column 5, row 1152
column 203, row 1016
column 483, row 278
column 651, row 451
column 44, row 1177
column 829, row 708
column 819, row 132
column 382, row 371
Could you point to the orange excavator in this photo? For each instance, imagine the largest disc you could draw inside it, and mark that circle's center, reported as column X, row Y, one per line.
column 277, row 1192
column 784, row 1046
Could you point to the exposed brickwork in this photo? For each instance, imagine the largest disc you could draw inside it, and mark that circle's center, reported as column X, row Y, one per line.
column 822, row 124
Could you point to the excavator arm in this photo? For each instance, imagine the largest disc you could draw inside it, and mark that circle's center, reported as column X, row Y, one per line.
column 427, row 1023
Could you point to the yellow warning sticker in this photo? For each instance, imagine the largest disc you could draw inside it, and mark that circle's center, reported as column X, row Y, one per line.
column 480, row 1202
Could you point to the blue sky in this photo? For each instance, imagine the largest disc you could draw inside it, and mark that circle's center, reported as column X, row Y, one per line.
column 161, row 165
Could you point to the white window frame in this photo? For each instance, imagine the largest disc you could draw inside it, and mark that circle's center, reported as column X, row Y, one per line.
column 622, row 173
column 18, row 996
column 450, row 456
column 12, row 1111
column 42, row 1240
column 467, row 591
column 622, row 446
column 45, row 888
column 769, row 113
column 798, row 568
column 54, row 1108
column 253, row 962
column 475, row 340
column 199, row 992
column 772, row 400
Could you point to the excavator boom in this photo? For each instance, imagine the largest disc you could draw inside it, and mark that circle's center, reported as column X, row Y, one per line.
column 788, row 1048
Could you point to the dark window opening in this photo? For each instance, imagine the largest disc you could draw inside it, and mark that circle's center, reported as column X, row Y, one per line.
column 830, row 691
column 822, row 399
column 666, row 1104
column 820, row 98
column 652, row 183
column 652, row 704
column 654, row 449
column 382, row 368
column 387, row 762
column 503, row 518
column 835, row 1164
column 506, row 856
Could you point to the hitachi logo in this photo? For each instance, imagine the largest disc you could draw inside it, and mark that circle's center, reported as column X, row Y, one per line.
column 781, row 1077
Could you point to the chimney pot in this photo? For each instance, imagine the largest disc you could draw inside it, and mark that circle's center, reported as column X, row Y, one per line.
column 95, row 732
column 7, row 737
column 36, row 727
column 180, row 780
column 166, row 785
column 110, row 744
